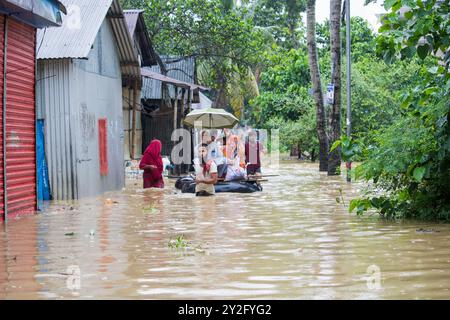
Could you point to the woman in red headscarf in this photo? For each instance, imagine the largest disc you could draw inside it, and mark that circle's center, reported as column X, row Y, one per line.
column 152, row 165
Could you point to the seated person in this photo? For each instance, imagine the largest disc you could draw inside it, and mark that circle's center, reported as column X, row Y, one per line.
column 214, row 152
column 222, row 170
column 234, row 170
column 205, row 139
column 206, row 174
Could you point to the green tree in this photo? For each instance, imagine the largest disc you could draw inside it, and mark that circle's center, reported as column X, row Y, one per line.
column 282, row 18
column 285, row 102
column 220, row 36
column 334, row 158
column 410, row 161
column 317, row 85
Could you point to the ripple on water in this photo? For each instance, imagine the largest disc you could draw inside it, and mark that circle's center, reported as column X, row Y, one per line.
column 291, row 241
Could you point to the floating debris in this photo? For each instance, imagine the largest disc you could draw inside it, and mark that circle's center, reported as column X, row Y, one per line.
column 178, row 243
column 150, row 209
column 421, row 230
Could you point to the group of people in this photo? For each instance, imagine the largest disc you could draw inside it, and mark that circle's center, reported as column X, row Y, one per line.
column 219, row 156
column 229, row 157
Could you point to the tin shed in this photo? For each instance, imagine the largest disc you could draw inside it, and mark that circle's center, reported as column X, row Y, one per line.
column 131, row 98
column 82, row 68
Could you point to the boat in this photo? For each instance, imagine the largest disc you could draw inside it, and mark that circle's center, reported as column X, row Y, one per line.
column 187, row 185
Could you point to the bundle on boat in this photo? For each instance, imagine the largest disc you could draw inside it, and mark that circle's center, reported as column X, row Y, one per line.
column 187, row 185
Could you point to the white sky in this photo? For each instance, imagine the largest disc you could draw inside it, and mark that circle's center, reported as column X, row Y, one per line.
column 357, row 8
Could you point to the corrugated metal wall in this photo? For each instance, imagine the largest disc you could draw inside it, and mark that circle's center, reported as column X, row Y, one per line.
column 20, row 118
column 54, row 99
column 99, row 96
column 2, row 42
column 72, row 96
column 183, row 70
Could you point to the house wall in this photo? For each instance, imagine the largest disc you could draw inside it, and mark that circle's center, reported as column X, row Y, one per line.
column 73, row 95
column 55, row 100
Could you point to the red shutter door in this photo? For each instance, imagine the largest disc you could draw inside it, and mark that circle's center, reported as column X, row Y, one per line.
column 20, row 118
column 2, row 42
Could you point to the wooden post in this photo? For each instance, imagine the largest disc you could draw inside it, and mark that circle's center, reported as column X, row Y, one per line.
column 175, row 111
column 175, row 117
column 128, row 128
column 190, row 100
column 191, row 130
column 133, row 121
column 183, row 104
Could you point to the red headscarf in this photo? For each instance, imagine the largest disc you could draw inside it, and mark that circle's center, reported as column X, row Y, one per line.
column 152, row 156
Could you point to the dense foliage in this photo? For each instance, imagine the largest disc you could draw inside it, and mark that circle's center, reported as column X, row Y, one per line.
column 409, row 163
column 220, row 36
column 284, row 102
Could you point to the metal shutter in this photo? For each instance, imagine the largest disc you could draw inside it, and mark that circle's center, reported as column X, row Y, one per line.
column 2, row 42
column 20, row 118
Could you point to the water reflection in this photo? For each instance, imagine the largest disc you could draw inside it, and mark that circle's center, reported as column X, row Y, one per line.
column 19, row 247
column 292, row 241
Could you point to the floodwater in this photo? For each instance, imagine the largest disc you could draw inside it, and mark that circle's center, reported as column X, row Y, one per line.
column 292, row 241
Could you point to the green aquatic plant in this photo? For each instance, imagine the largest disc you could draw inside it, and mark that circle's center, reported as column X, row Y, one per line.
column 179, row 243
column 150, row 209
column 341, row 199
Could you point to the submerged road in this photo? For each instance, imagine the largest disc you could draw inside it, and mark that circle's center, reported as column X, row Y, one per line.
column 291, row 241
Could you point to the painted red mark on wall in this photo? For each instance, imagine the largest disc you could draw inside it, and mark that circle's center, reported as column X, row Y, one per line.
column 103, row 146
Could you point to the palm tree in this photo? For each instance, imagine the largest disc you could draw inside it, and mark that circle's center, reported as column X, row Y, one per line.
column 233, row 88
column 316, row 84
column 334, row 159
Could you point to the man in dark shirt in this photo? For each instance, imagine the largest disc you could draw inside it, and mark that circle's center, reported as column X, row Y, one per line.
column 253, row 149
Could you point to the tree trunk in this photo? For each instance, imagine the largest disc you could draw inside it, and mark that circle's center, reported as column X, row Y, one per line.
column 313, row 155
column 334, row 161
column 164, row 88
column 317, row 85
column 294, row 40
column 221, row 100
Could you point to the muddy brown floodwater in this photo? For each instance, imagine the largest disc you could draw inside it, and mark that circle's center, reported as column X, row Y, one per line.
column 292, row 241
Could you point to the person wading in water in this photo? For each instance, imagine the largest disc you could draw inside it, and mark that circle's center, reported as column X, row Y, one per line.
column 206, row 174
column 253, row 150
column 152, row 164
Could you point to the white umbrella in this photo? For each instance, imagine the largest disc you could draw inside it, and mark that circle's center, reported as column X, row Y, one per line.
column 211, row 118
